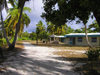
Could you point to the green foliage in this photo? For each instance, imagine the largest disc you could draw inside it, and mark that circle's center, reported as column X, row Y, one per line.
column 90, row 29
column 69, row 30
column 27, row 9
column 51, row 28
column 58, row 30
column 23, row 38
column 27, row 36
column 78, row 31
column 93, row 55
column 40, row 29
column 32, row 36
column 94, row 27
column 69, row 10
column 13, row 17
column 3, row 41
column 45, row 35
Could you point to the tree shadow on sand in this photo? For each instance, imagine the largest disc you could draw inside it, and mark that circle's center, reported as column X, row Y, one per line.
column 30, row 65
column 20, row 63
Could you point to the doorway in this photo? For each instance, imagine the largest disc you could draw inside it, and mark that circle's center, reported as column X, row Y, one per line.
column 72, row 41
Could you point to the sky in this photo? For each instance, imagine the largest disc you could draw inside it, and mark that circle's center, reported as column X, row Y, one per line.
column 35, row 16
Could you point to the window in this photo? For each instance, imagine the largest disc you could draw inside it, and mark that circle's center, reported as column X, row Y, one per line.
column 79, row 39
column 94, row 39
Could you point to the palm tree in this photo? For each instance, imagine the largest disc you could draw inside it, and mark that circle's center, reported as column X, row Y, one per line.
column 21, row 4
column 39, row 30
column 51, row 28
column 61, row 30
column 20, row 7
column 3, row 4
column 13, row 17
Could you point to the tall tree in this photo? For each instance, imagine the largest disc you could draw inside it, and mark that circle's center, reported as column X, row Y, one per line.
column 21, row 4
column 59, row 30
column 51, row 28
column 68, row 10
column 32, row 36
column 13, row 16
column 39, row 30
column 3, row 4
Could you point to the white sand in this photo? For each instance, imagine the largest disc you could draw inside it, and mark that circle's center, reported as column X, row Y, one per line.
column 37, row 60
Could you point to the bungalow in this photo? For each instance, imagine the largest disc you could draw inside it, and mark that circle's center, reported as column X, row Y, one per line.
column 79, row 39
column 56, row 38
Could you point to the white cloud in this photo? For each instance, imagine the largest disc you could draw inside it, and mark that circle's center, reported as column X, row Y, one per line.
column 36, row 7
column 74, row 25
column 35, row 15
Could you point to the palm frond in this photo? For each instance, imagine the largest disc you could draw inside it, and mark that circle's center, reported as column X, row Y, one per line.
column 27, row 9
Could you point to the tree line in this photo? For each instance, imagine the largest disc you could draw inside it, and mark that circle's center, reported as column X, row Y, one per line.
column 68, row 10
column 43, row 32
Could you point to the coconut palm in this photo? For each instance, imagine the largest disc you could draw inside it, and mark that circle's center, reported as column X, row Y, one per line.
column 39, row 30
column 21, row 4
column 3, row 4
column 59, row 30
column 13, row 17
column 51, row 28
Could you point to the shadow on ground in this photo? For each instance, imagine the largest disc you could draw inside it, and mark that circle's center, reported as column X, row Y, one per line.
column 19, row 63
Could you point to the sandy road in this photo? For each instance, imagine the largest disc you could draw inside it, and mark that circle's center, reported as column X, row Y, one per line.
column 37, row 60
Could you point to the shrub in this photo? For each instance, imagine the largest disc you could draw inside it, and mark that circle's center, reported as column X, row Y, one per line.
column 93, row 54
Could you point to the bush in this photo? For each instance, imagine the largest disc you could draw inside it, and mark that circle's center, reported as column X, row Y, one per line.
column 23, row 38
column 93, row 54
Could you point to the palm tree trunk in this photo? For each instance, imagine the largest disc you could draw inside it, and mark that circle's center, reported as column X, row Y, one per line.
column 87, row 39
column 17, row 27
column 3, row 29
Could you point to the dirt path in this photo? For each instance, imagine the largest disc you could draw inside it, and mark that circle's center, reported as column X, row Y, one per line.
column 37, row 60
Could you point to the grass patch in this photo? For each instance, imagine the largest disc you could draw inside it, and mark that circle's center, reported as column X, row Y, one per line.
column 72, row 48
column 70, row 54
